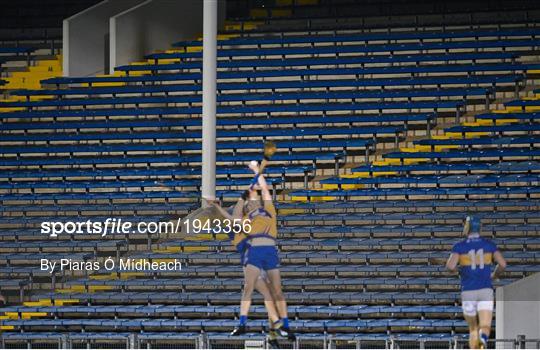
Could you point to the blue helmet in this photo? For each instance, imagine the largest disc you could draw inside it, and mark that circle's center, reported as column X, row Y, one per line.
column 474, row 225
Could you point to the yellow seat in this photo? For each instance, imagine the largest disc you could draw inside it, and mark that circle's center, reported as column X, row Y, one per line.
column 343, row 186
column 100, row 277
column 313, row 199
column 374, row 174
column 110, row 84
column 255, row 13
column 40, row 302
column 281, row 13
column 62, row 302
column 29, row 315
column 127, row 275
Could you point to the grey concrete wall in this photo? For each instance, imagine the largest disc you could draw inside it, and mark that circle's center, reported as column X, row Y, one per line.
column 86, row 38
column 518, row 309
column 155, row 25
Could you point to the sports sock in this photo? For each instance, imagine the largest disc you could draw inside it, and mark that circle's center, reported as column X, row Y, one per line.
column 483, row 336
column 243, row 320
column 285, row 321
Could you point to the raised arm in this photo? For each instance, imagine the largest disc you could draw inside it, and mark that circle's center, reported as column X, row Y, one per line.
column 451, row 263
column 222, row 211
column 467, row 226
column 265, row 192
column 501, row 264
column 261, row 181
column 238, row 208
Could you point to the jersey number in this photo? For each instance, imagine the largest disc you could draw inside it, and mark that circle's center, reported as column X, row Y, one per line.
column 477, row 258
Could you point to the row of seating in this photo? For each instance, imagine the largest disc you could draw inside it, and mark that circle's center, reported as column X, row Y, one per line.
column 278, row 39
column 342, row 49
column 490, row 80
column 244, row 98
column 303, row 73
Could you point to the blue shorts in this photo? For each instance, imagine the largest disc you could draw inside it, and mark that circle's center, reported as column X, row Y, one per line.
column 263, row 257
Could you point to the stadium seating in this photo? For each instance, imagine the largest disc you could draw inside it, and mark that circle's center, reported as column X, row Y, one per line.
column 386, row 141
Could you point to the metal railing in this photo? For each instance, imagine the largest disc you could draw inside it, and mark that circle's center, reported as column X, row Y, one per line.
column 203, row 341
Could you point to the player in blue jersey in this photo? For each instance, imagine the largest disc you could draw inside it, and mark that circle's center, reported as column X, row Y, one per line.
column 475, row 257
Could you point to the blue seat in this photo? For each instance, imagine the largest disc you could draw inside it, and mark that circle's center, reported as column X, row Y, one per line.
column 523, row 103
column 67, row 245
column 12, row 283
column 32, row 258
column 11, row 272
column 523, row 116
column 16, row 50
column 101, row 195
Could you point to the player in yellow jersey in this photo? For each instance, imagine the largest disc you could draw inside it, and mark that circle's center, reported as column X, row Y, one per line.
column 260, row 254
